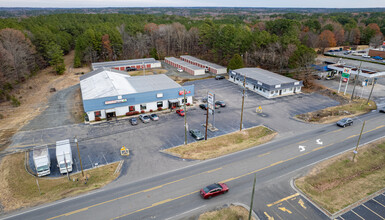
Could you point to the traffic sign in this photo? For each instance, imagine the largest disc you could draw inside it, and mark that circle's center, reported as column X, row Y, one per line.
column 210, row 100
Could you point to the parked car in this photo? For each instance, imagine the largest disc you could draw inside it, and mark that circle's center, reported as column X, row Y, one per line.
column 154, row 117
column 179, row 70
column 214, row 190
column 131, row 69
column 382, row 110
column 220, row 103
column 204, row 99
column 220, row 77
column 378, row 58
column 144, row 118
column 203, row 106
column 133, row 121
column 180, row 112
column 345, row 122
column 195, row 133
column 365, row 56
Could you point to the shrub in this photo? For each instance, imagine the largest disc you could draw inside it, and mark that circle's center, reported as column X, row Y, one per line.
column 150, row 110
column 160, row 109
column 188, row 104
column 129, row 113
column 98, row 119
column 142, row 111
column 15, row 102
column 135, row 113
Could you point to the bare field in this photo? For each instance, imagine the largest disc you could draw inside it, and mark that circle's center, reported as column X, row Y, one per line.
column 225, row 144
column 336, row 183
column 20, row 191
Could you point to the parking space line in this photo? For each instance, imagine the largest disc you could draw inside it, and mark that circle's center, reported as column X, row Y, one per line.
column 281, row 200
column 341, row 217
column 379, row 203
column 373, row 211
column 277, row 214
column 357, row 214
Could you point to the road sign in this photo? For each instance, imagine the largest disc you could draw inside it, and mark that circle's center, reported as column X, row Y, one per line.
column 210, row 100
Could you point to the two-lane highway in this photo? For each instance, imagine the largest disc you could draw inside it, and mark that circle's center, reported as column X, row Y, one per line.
column 175, row 193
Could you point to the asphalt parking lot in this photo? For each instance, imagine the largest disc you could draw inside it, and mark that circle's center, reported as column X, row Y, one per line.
column 100, row 143
column 371, row 210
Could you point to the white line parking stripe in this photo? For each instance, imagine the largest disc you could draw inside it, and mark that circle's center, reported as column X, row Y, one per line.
column 378, row 203
column 357, row 214
column 373, row 211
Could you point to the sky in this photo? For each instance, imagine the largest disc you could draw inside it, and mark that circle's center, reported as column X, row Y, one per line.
column 194, row 3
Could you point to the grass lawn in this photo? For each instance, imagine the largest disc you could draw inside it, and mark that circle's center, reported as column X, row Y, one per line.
column 230, row 213
column 18, row 189
column 225, row 144
column 339, row 182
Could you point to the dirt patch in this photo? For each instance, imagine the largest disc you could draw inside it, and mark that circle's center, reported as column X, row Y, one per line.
column 339, row 182
column 34, row 95
column 225, row 144
column 229, row 213
column 20, row 191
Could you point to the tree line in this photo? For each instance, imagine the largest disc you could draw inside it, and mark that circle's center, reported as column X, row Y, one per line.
column 277, row 42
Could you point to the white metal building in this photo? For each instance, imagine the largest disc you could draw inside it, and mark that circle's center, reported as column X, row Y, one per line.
column 108, row 93
column 211, row 67
column 187, row 67
column 124, row 64
column 265, row 83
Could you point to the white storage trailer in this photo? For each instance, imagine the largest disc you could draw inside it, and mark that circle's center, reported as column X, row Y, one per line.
column 64, row 156
column 41, row 160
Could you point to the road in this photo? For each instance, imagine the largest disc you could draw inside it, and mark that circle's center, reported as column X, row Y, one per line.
column 174, row 195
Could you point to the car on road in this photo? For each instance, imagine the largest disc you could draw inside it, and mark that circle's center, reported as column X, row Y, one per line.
column 382, row 110
column 180, row 112
column 154, row 117
column 144, row 118
column 133, row 121
column 195, row 133
column 213, row 190
column 365, row 56
column 220, row 77
column 131, row 69
column 345, row 122
column 378, row 58
column 220, row 103
column 179, row 70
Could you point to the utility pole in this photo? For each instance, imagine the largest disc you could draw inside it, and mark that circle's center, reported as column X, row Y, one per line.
column 144, row 71
column 355, row 80
column 207, row 116
column 370, row 95
column 80, row 158
column 252, row 196
column 243, row 101
column 358, row 142
column 185, row 120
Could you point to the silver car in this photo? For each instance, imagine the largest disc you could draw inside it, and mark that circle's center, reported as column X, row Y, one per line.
column 144, row 118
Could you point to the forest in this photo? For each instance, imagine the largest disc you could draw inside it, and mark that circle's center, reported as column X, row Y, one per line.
column 280, row 42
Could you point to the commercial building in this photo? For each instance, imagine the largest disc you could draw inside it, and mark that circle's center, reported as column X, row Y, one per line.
column 187, row 67
column 265, row 83
column 124, row 64
column 210, row 67
column 108, row 93
column 375, row 53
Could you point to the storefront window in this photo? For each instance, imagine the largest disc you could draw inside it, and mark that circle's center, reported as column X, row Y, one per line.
column 159, row 104
column 184, row 101
column 143, row 107
column 131, row 108
column 98, row 114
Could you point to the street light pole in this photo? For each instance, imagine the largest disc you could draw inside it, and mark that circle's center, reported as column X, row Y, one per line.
column 80, row 158
column 243, row 101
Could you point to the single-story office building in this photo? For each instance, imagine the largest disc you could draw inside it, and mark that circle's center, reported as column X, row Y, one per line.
column 265, row 83
column 108, row 93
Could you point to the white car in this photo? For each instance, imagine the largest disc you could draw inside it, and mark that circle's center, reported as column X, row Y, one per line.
column 179, row 70
column 365, row 56
column 144, row 118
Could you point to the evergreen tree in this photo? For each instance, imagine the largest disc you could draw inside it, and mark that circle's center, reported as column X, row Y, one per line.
column 235, row 63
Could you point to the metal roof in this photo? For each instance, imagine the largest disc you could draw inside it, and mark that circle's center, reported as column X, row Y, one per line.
column 354, row 70
column 264, row 76
column 203, row 62
column 124, row 63
column 183, row 63
column 107, row 82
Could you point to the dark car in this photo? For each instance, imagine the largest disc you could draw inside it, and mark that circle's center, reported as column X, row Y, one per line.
column 133, row 121
column 203, row 106
column 382, row 110
column 195, row 133
column 219, row 77
column 345, row 122
column 204, row 99
column 131, row 69
column 220, row 103
column 214, row 190
column 180, row 112
column 154, row 117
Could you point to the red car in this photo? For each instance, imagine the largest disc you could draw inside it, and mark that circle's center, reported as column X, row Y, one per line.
column 214, row 190
column 180, row 112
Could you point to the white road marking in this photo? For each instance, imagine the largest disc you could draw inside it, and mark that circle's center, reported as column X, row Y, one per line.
column 319, row 142
column 301, row 148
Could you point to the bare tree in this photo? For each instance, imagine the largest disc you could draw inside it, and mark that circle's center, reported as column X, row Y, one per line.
column 377, row 40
